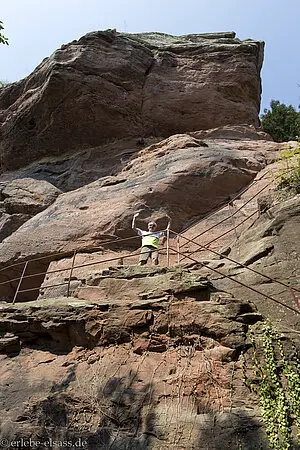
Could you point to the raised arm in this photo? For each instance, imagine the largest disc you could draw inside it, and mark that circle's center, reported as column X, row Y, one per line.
column 169, row 222
column 133, row 221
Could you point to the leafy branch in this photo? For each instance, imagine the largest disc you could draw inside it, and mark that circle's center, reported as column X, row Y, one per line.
column 287, row 177
column 278, row 388
column 3, row 39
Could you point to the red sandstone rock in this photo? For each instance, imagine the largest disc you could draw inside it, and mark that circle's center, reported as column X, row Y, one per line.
column 109, row 84
column 146, row 359
column 180, row 176
column 28, row 196
column 98, row 364
column 21, row 199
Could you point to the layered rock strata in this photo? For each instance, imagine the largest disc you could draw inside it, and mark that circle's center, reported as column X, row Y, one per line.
column 271, row 248
column 182, row 176
column 113, row 85
column 152, row 370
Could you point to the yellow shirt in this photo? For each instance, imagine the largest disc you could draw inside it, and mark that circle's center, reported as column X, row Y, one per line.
column 150, row 237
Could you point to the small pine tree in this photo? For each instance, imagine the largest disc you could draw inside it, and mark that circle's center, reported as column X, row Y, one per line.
column 281, row 122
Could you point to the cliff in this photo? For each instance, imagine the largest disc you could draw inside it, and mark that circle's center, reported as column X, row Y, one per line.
column 113, row 85
column 138, row 369
column 95, row 351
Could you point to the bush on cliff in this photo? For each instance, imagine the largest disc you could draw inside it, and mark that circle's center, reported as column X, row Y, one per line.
column 287, row 177
column 281, row 122
column 3, row 39
column 4, row 83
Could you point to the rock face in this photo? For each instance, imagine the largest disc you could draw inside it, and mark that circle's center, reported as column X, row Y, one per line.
column 133, row 372
column 258, row 229
column 71, row 171
column 117, row 356
column 111, row 85
column 28, row 196
column 272, row 248
column 21, row 199
column 182, row 176
column 122, row 284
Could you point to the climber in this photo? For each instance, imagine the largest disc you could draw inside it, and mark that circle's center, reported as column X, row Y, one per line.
column 150, row 240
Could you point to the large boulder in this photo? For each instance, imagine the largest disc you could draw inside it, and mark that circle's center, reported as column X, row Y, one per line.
column 181, row 175
column 110, row 84
column 28, row 196
column 21, row 199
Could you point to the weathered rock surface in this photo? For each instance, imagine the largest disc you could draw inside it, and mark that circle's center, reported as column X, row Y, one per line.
column 182, row 176
column 71, row 171
column 108, row 85
column 21, row 199
column 258, row 229
column 97, row 282
column 131, row 372
column 237, row 132
column 9, row 223
column 271, row 247
column 28, row 196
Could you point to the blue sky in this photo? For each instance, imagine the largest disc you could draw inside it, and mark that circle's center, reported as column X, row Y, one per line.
column 36, row 28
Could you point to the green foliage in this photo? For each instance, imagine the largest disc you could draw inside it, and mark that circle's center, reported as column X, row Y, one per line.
column 3, row 39
column 281, row 122
column 4, row 83
column 287, row 177
column 278, row 387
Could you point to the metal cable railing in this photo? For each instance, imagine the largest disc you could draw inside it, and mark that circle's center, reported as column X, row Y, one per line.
column 229, row 217
column 245, row 285
column 201, row 247
column 69, row 253
column 239, row 263
column 71, row 269
column 220, row 235
column 174, row 251
column 232, row 199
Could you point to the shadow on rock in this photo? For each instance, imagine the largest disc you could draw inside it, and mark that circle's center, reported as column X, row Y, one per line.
column 119, row 416
column 234, row 430
column 128, row 421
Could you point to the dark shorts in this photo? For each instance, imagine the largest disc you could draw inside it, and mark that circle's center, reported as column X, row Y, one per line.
column 148, row 251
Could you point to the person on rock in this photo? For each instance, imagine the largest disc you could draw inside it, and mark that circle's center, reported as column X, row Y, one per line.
column 150, row 240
